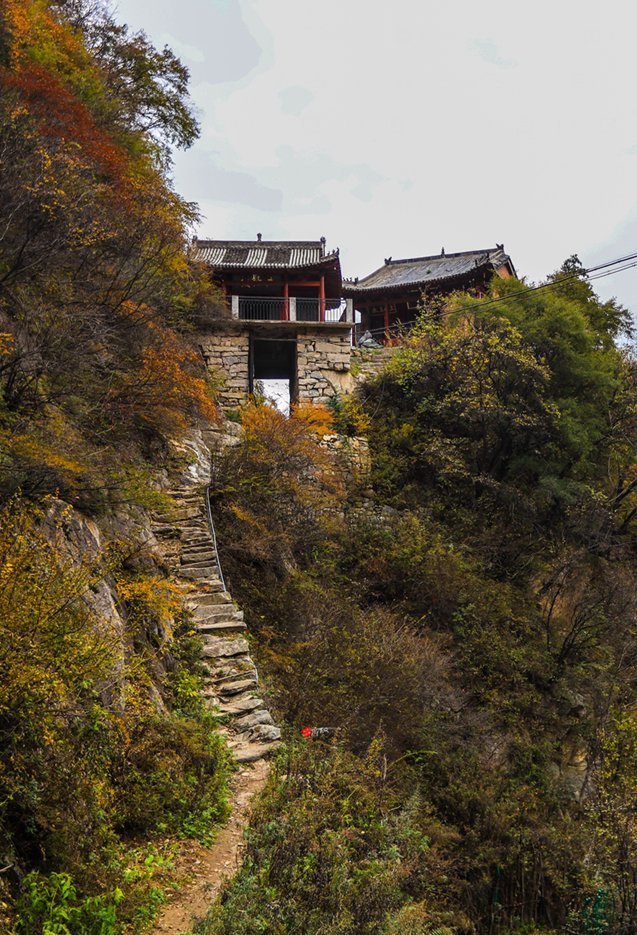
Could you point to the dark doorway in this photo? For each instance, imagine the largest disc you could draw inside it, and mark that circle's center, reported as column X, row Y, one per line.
column 273, row 367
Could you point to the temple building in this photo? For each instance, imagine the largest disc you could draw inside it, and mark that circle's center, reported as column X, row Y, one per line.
column 284, row 320
column 388, row 300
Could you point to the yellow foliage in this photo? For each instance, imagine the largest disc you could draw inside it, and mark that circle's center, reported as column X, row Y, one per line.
column 152, row 596
column 51, row 643
column 6, row 343
column 163, row 392
column 177, row 391
column 18, row 25
column 315, row 416
column 281, row 492
column 28, row 448
column 288, row 445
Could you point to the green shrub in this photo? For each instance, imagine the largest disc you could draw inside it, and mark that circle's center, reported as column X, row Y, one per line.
column 327, row 851
column 51, row 906
column 171, row 779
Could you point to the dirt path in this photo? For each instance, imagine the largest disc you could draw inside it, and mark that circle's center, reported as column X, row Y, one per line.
column 204, row 869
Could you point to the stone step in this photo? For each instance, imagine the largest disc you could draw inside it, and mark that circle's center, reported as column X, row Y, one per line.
column 213, row 590
column 223, row 671
column 200, row 598
column 198, row 573
column 228, row 689
column 242, row 669
column 219, row 599
column 198, row 563
column 265, row 733
column 225, row 648
column 209, row 598
column 223, row 628
column 202, row 612
column 213, row 608
column 198, row 554
column 251, row 720
column 251, row 752
column 240, row 704
column 217, row 612
column 179, row 511
column 217, row 609
column 197, row 541
column 230, row 618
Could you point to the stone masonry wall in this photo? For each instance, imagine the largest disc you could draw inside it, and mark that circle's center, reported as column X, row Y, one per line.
column 323, row 366
column 351, row 454
column 228, row 356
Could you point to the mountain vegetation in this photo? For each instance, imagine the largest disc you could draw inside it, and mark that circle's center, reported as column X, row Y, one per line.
column 465, row 628
column 107, row 755
column 459, row 618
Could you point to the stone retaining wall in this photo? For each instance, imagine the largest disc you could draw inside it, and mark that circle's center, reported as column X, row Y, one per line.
column 352, row 455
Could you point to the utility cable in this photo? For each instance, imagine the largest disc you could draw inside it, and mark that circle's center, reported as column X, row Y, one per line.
column 601, row 271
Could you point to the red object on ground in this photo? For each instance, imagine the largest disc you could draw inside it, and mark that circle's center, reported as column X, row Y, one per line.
column 306, row 731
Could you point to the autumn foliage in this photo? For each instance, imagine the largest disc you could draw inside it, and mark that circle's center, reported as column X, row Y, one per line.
column 95, row 287
column 102, row 732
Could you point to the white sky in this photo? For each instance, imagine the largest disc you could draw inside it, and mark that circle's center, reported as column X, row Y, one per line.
column 399, row 127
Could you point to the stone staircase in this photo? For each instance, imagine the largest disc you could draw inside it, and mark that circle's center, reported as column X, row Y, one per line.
column 231, row 686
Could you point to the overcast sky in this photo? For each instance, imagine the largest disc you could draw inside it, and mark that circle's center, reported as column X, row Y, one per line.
column 397, row 128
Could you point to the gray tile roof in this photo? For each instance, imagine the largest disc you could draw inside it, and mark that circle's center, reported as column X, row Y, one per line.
column 426, row 270
column 261, row 253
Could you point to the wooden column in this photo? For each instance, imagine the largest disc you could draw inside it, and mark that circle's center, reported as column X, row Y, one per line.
column 322, row 299
column 286, row 298
column 386, row 322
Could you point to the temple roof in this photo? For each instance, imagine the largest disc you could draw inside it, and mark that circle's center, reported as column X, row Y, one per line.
column 264, row 254
column 397, row 275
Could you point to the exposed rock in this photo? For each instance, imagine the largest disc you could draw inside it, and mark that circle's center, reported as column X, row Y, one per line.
column 219, row 648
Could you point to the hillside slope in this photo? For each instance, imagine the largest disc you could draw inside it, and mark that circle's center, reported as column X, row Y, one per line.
column 459, row 622
column 465, row 629
column 108, row 754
